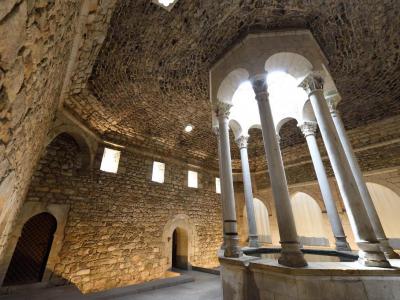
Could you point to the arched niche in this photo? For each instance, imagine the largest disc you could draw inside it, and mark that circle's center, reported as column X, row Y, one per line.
column 86, row 147
column 262, row 221
column 29, row 260
column 180, row 248
column 387, row 204
column 187, row 230
column 309, row 220
column 29, row 210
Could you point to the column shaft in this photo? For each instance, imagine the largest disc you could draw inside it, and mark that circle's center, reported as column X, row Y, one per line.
column 248, row 192
column 231, row 238
column 362, row 187
column 291, row 254
column 216, row 132
column 341, row 243
column 370, row 253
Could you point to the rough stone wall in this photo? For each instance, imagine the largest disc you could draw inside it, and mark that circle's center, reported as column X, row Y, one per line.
column 40, row 44
column 35, row 42
column 113, row 235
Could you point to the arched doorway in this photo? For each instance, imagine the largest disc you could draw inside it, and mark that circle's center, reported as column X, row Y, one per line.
column 387, row 204
column 262, row 221
column 180, row 249
column 29, row 259
column 309, row 220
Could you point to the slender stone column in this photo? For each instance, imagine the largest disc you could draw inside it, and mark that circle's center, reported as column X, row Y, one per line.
column 291, row 254
column 308, row 129
column 248, row 191
column 231, row 239
column 362, row 187
column 370, row 254
column 216, row 132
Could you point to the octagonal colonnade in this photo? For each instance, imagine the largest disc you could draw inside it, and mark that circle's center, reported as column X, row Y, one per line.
column 264, row 81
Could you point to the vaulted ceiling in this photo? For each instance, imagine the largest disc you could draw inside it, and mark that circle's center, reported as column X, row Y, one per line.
column 151, row 77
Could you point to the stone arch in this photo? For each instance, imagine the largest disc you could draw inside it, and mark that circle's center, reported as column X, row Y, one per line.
column 29, row 259
column 230, row 83
column 29, row 210
column 293, row 63
column 387, row 204
column 308, row 219
column 262, row 221
column 235, row 127
column 282, row 122
column 182, row 222
column 87, row 151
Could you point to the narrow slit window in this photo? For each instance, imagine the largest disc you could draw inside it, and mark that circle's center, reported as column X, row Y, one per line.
column 218, row 185
column 192, row 179
column 158, row 172
column 110, row 160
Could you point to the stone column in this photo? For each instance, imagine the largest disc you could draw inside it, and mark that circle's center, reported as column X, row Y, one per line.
column 309, row 129
column 231, row 239
column 291, row 254
column 248, row 191
column 216, row 132
column 362, row 187
column 369, row 254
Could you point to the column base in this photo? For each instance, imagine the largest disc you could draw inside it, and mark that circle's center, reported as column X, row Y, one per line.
column 387, row 249
column 232, row 248
column 342, row 244
column 291, row 255
column 370, row 255
column 253, row 241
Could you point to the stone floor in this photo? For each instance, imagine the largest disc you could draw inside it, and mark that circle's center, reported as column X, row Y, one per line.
column 205, row 287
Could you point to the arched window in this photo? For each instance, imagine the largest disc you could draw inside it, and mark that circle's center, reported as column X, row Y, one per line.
column 29, row 259
column 309, row 221
column 387, row 204
column 262, row 221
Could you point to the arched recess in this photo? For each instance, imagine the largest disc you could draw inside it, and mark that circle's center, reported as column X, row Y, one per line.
column 31, row 209
column 387, row 204
column 29, row 259
column 180, row 249
column 87, row 151
column 186, row 231
column 262, row 221
column 309, row 220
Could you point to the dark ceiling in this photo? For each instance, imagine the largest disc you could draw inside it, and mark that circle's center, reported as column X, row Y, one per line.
column 151, row 76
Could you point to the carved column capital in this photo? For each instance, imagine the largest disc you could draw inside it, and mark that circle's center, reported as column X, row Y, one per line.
column 222, row 109
column 260, row 87
column 333, row 101
column 308, row 128
column 241, row 141
column 312, row 83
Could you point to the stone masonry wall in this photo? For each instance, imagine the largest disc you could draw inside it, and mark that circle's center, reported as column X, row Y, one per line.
column 35, row 42
column 113, row 236
column 37, row 46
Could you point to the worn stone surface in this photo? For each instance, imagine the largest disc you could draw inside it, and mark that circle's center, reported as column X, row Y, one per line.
column 36, row 39
column 159, row 62
column 113, row 236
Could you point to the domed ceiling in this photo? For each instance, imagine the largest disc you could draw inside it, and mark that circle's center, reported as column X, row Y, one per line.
column 151, row 77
